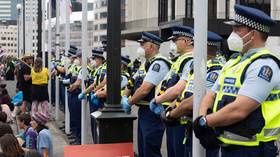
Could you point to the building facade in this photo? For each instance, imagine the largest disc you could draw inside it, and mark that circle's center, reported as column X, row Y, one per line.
column 158, row 16
column 8, row 37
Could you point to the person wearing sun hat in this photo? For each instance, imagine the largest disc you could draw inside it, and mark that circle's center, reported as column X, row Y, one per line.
column 25, row 82
column 245, row 98
column 44, row 139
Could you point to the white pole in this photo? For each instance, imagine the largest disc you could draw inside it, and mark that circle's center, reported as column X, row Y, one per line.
column 57, row 58
column 50, row 51
column 67, row 46
column 18, row 32
column 84, row 68
column 21, row 32
column 43, row 32
column 200, row 53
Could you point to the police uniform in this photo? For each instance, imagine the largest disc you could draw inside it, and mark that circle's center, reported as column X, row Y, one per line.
column 179, row 70
column 125, row 76
column 255, row 75
column 214, row 67
column 73, row 102
column 150, row 126
column 98, row 76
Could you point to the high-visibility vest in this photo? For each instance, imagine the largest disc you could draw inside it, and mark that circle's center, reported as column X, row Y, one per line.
column 142, row 71
column 175, row 73
column 263, row 124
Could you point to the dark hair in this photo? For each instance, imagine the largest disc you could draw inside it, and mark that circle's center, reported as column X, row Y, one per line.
column 264, row 36
column 3, row 117
column 40, row 127
column 25, row 118
column 5, row 129
column 10, row 146
column 38, row 65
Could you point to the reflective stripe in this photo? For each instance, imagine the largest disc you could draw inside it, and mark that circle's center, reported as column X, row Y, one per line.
column 271, row 132
column 272, row 97
column 141, row 102
column 230, row 89
column 235, row 137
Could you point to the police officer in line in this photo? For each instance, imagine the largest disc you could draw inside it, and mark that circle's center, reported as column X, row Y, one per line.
column 99, row 63
column 146, row 80
column 245, row 98
column 125, row 77
column 182, row 112
column 73, row 103
column 175, row 81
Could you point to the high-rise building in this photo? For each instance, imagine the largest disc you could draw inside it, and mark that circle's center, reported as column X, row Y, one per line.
column 5, row 9
column 8, row 37
column 100, row 20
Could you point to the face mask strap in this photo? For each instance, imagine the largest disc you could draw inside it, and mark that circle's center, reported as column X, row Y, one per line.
column 248, row 41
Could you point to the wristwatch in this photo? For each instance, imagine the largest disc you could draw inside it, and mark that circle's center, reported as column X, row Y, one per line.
column 203, row 121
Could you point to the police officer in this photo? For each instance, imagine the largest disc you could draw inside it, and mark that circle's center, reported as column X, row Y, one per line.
column 146, row 80
column 99, row 62
column 182, row 112
column 73, row 102
column 177, row 77
column 245, row 97
column 125, row 77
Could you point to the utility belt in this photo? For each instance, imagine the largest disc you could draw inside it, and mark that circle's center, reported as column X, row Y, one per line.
column 145, row 104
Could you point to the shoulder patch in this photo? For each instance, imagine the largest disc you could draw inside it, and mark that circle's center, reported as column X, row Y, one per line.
column 156, row 67
column 212, row 77
column 265, row 73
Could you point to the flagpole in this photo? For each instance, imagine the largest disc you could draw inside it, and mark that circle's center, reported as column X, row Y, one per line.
column 67, row 46
column 43, row 5
column 84, row 68
column 57, row 58
column 200, row 53
column 50, row 50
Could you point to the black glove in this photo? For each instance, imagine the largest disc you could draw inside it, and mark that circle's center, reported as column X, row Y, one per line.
column 206, row 135
column 167, row 120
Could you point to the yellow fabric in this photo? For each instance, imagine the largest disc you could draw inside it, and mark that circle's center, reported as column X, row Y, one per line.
column 270, row 107
column 40, row 77
column 174, row 70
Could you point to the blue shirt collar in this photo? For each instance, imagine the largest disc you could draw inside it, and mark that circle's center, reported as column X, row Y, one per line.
column 250, row 53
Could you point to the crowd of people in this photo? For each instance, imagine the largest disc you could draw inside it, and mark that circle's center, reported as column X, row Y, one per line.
column 238, row 116
column 31, row 136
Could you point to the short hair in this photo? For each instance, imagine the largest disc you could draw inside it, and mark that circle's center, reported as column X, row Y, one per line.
column 25, row 118
column 263, row 36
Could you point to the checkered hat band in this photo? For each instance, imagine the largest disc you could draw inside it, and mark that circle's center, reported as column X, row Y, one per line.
column 211, row 43
column 148, row 39
column 182, row 34
column 251, row 23
column 97, row 55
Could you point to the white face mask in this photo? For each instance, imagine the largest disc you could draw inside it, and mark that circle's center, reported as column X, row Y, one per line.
column 140, row 52
column 173, row 48
column 93, row 63
column 67, row 60
column 77, row 62
column 235, row 42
